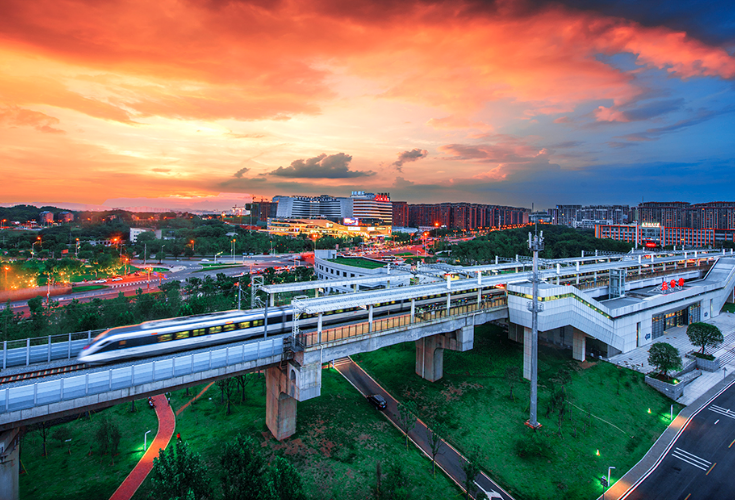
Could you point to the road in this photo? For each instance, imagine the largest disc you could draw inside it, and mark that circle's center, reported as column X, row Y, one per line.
column 699, row 463
column 182, row 270
column 449, row 459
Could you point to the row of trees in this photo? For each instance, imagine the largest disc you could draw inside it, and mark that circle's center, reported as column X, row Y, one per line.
column 195, row 296
column 665, row 357
column 179, row 473
column 559, row 242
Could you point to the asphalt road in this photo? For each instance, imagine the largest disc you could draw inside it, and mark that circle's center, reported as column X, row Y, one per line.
column 699, row 465
column 449, row 459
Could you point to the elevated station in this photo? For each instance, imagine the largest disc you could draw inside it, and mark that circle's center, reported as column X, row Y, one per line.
column 598, row 305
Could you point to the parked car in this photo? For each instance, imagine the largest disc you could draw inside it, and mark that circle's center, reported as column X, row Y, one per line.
column 377, row 401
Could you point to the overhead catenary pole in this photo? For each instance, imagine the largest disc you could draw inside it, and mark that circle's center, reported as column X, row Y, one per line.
column 535, row 244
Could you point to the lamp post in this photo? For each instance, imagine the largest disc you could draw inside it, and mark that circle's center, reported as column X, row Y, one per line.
column 192, row 247
column 145, row 441
column 76, row 249
column 215, row 256
column 606, row 484
column 40, row 245
column 6, row 277
column 232, row 245
column 162, row 254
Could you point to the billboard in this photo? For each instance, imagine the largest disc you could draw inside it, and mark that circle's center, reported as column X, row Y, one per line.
column 351, row 221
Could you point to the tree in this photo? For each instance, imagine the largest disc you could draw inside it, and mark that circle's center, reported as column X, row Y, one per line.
column 435, row 442
column 704, row 335
column 43, row 428
column 242, row 381
column 61, row 434
column 284, row 481
column 394, row 486
column 242, row 470
column 471, row 469
column 664, row 357
column 226, row 386
column 178, row 472
column 512, row 376
column 406, row 417
column 115, row 436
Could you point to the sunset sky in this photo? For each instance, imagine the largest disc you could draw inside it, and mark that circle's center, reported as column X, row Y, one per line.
column 202, row 103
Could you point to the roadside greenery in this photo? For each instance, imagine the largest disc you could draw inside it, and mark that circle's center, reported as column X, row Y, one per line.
column 566, row 456
column 559, row 241
column 704, row 335
column 665, row 357
column 196, row 296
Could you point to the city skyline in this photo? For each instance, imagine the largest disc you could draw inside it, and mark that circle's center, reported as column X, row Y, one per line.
column 193, row 104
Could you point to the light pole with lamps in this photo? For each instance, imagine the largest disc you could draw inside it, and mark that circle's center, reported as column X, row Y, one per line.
column 215, row 256
column 6, row 277
column 232, row 244
column 145, row 441
column 40, row 245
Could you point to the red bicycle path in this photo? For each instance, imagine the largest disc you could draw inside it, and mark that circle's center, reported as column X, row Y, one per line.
column 166, row 425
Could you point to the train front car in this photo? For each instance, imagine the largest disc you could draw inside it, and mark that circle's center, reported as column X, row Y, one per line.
column 97, row 352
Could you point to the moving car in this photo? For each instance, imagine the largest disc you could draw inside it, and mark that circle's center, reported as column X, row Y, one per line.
column 377, row 401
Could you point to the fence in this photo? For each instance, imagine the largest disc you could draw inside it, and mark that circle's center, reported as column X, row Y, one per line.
column 68, row 388
column 310, row 339
column 587, row 282
column 45, row 349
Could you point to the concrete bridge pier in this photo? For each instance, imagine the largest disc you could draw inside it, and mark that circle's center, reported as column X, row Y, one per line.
column 9, row 464
column 430, row 351
column 285, row 386
column 579, row 345
column 280, row 407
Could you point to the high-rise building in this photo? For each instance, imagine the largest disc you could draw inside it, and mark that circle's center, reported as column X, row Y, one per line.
column 372, row 206
column 313, row 207
column 400, row 213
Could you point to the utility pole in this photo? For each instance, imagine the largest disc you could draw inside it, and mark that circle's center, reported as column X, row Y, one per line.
column 145, row 253
column 535, row 244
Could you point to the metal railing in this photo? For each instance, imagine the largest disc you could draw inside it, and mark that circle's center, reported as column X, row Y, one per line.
column 23, row 352
column 309, row 339
column 68, row 388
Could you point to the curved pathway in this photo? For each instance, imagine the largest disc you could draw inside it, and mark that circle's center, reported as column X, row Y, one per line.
column 166, row 425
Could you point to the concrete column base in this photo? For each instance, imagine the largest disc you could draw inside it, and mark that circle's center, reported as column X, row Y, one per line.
column 280, row 408
column 579, row 345
column 430, row 351
column 10, row 465
column 527, row 353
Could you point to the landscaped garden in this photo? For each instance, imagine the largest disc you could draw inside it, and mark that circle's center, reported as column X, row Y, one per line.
column 339, row 442
column 358, row 262
column 593, row 414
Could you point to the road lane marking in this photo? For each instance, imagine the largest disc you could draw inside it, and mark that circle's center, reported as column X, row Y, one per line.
column 717, row 421
column 710, row 469
column 691, row 458
column 733, row 442
column 722, row 411
column 687, row 498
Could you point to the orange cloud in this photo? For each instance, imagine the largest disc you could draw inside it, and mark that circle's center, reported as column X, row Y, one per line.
column 19, row 117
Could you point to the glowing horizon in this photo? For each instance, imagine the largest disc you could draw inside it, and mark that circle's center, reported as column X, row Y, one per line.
column 494, row 102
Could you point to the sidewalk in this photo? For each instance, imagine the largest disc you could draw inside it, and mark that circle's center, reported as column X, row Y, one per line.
column 166, row 425
column 623, row 486
column 637, row 359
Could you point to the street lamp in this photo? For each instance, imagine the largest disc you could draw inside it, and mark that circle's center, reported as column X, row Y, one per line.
column 232, row 244
column 40, row 245
column 6, row 277
column 191, row 242
column 76, row 249
column 145, row 441
column 215, row 256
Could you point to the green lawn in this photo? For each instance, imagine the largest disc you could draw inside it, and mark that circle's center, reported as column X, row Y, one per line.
column 358, row 262
column 79, row 476
column 473, row 403
column 729, row 308
column 87, row 288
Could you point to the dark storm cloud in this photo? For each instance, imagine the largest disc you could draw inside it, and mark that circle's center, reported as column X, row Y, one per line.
column 321, row 167
column 409, row 156
column 240, row 172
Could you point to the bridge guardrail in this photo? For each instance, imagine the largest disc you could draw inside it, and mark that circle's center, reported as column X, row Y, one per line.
column 68, row 388
column 45, row 349
column 309, row 339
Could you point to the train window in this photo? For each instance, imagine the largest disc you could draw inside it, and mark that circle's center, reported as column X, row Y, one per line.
column 244, row 324
column 165, row 337
column 182, row 335
column 230, row 327
column 198, row 331
column 121, row 343
column 258, row 322
column 215, row 329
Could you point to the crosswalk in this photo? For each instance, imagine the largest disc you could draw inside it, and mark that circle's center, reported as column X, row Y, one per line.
column 691, row 459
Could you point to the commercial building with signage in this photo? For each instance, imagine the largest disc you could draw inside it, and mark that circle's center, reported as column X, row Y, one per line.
column 316, row 228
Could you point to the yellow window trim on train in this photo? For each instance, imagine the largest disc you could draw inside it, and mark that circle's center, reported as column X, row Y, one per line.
column 182, row 335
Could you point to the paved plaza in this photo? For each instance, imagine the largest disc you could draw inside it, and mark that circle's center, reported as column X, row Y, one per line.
column 637, row 359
